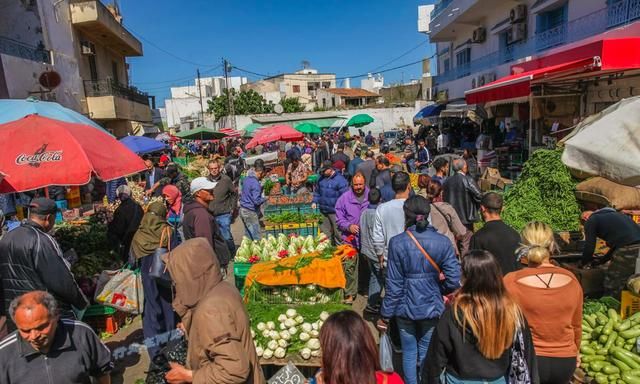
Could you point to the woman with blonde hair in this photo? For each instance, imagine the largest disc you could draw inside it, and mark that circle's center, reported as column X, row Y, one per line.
column 551, row 299
column 476, row 338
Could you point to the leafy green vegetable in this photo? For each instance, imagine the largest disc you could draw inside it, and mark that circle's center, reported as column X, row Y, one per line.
column 545, row 191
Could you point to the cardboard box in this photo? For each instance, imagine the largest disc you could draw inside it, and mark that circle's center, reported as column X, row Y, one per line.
column 591, row 280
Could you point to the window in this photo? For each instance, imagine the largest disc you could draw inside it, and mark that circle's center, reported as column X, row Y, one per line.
column 446, row 64
column 114, row 69
column 333, row 101
column 551, row 27
column 463, row 59
column 296, row 88
column 326, row 84
column 93, row 69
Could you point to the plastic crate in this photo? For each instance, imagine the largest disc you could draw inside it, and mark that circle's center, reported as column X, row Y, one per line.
column 300, row 229
column 240, row 272
column 629, row 304
column 104, row 319
column 296, row 208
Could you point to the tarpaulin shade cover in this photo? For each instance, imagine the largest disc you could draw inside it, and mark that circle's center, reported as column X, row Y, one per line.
column 12, row 110
column 230, row 132
column 519, row 85
column 37, row 152
column 200, row 133
column 142, row 145
column 274, row 133
column 429, row 111
column 607, row 144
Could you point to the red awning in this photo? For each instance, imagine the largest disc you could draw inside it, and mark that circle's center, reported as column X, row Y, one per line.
column 603, row 55
column 519, row 85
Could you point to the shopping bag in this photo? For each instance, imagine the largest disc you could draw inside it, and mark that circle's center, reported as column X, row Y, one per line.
column 386, row 353
column 120, row 289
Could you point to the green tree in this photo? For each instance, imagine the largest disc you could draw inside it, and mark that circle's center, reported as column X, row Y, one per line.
column 244, row 103
column 291, row 105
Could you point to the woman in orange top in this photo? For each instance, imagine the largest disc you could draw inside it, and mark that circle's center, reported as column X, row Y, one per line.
column 551, row 299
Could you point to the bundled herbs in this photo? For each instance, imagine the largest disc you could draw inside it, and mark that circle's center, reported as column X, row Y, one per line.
column 543, row 192
column 293, row 217
column 91, row 246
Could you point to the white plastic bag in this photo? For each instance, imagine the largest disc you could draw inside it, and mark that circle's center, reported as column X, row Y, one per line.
column 386, row 353
column 121, row 289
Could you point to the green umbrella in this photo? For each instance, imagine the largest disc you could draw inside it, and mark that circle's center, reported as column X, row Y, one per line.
column 308, row 128
column 250, row 129
column 359, row 120
column 200, row 133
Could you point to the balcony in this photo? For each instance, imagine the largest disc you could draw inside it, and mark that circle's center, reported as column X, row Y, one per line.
column 616, row 14
column 108, row 100
column 14, row 48
column 96, row 21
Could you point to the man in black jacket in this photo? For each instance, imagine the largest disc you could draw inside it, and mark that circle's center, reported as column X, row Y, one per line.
column 225, row 201
column 125, row 223
column 151, row 176
column 462, row 192
column 341, row 156
column 496, row 236
column 198, row 222
column 31, row 260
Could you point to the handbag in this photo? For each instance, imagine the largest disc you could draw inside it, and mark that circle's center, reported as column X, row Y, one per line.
column 121, row 289
column 518, row 368
column 158, row 269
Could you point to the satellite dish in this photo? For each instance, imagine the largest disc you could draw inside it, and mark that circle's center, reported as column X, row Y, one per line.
column 278, row 109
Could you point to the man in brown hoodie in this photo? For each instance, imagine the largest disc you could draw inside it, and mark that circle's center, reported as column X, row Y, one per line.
column 215, row 320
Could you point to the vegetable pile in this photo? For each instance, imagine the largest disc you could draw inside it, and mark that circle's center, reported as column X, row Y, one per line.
column 543, row 192
column 91, row 246
column 608, row 346
column 292, row 217
column 276, row 248
column 303, row 198
column 296, row 294
column 278, row 330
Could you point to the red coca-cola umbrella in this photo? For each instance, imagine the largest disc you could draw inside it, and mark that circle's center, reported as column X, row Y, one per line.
column 36, row 152
column 281, row 132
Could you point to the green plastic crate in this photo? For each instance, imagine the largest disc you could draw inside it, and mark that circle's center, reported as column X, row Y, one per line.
column 282, row 208
column 301, row 229
column 99, row 310
column 240, row 272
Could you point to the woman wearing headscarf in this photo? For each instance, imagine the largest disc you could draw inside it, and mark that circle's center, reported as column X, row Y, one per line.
column 154, row 233
column 173, row 198
column 126, row 219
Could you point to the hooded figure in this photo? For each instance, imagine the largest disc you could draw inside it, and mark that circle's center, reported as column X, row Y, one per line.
column 216, row 322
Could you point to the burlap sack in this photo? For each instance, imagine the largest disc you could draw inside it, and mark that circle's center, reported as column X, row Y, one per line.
column 619, row 196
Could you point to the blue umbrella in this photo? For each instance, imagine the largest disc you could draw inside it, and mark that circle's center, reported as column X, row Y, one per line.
column 429, row 111
column 12, row 110
column 141, row 144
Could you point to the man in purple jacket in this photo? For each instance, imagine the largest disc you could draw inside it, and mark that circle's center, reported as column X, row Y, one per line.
column 349, row 207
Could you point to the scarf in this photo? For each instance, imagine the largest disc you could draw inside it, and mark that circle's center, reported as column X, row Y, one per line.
column 149, row 237
column 174, row 194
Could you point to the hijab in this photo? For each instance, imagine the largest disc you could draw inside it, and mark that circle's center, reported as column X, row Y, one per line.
column 174, row 193
column 148, row 238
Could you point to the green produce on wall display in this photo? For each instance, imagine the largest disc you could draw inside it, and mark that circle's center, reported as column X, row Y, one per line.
column 545, row 191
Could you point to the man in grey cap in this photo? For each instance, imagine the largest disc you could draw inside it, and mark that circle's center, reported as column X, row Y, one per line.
column 31, row 260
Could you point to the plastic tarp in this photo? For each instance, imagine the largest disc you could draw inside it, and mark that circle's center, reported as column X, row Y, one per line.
column 607, row 144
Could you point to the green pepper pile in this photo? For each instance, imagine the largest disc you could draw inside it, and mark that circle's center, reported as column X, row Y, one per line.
column 545, row 191
column 607, row 349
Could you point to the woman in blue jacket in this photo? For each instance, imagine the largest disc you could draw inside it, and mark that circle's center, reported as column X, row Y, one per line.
column 414, row 288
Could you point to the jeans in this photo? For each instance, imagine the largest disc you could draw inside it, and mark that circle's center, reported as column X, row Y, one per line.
column 251, row 223
column 375, row 283
column 414, row 338
column 224, row 223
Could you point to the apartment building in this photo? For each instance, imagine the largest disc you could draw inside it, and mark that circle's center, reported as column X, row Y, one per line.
column 82, row 44
column 546, row 63
column 303, row 84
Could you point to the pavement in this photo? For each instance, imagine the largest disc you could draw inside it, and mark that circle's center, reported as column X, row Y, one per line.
column 133, row 367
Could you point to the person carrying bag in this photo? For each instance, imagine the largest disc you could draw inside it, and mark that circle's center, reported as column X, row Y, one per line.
column 150, row 243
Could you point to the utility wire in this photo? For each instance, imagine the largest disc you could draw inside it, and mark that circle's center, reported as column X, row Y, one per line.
column 208, row 70
column 399, row 57
column 167, row 52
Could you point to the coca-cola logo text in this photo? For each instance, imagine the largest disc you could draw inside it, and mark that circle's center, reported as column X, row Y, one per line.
column 39, row 157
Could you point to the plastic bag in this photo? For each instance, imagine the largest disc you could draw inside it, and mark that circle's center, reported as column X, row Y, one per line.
column 386, row 353
column 121, row 289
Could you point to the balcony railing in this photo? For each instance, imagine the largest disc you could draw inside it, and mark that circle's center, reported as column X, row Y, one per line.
column 439, row 7
column 14, row 48
column 616, row 14
column 111, row 88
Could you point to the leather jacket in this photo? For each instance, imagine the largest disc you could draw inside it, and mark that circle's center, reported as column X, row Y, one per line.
column 464, row 195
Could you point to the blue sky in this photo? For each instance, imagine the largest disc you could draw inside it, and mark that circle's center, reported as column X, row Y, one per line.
column 345, row 37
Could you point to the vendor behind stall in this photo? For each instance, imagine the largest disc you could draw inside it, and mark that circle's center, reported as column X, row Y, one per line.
column 622, row 236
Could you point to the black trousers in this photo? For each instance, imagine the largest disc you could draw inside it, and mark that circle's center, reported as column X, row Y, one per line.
column 556, row 370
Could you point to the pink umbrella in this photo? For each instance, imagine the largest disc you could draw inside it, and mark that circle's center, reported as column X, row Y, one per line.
column 230, row 132
column 275, row 133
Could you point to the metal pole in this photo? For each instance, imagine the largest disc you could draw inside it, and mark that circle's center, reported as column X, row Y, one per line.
column 200, row 95
column 530, row 123
column 231, row 112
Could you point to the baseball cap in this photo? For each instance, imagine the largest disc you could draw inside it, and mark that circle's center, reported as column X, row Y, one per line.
column 200, row 183
column 43, row 206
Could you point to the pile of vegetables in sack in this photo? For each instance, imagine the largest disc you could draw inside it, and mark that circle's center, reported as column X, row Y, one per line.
column 608, row 350
column 545, row 191
column 279, row 330
column 276, row 248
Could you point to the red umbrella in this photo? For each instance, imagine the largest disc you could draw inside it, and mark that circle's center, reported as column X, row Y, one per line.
column 36, row 152
column 275, row 133
column 230, row 132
